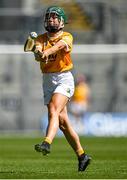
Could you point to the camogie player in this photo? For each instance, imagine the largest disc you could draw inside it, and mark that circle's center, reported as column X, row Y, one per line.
column 58, row 83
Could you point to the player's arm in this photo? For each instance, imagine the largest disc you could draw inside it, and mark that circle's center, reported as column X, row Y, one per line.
column 58, row 46
column 36, row 55
column 65, row 43
column 38, row 49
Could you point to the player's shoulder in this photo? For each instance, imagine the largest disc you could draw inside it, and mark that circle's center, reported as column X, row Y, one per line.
column 67, row 34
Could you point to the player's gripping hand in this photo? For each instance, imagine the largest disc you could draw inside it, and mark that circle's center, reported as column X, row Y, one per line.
column 37, row 57
column 41, row 56
column 45, row 56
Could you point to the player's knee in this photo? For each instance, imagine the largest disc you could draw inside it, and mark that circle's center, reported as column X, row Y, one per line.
column 53, row 114
column 52, row 110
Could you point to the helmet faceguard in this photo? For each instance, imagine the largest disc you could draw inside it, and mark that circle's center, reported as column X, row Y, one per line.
column 57, row 12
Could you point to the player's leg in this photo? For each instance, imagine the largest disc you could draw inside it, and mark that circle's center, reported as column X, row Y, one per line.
column 73, row 139
column 55, row 106
column 69, row 132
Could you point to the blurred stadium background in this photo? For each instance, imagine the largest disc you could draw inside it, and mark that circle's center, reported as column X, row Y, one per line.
column 99, row 28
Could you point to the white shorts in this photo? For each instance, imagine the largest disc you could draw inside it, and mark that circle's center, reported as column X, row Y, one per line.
column 61, row 82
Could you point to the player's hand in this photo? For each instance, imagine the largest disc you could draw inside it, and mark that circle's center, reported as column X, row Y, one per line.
column 45, row 57
column 37, row 57
column 41, row 56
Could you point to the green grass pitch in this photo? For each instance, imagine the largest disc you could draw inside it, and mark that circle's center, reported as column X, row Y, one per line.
column 18, row 160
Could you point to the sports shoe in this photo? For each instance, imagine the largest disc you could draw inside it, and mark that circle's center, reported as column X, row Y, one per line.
column 84, row 161
column 44, row 148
